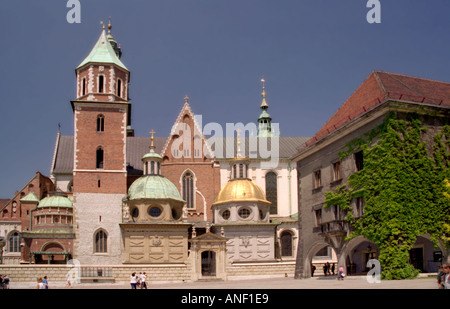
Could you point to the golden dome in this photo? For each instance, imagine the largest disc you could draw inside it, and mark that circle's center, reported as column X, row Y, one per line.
column 242, row 190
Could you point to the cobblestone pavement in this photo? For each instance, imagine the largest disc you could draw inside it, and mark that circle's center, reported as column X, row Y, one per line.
column 357, row 282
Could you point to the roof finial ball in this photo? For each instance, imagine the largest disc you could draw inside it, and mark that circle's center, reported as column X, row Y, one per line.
column 186, row 99
column 103, row 24
column 109, row 25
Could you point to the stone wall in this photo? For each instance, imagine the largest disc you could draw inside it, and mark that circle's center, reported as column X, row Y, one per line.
column 161, row 273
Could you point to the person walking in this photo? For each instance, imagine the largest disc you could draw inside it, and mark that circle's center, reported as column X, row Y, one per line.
column 133, row 281
column 341, row 274
column 143, row 281
column 45, row 281
column 313, row 269
column 5, row 282
column 40, row 285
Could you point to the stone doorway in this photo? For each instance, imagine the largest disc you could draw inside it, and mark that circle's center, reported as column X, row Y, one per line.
column 208, row 257
column 208, row 264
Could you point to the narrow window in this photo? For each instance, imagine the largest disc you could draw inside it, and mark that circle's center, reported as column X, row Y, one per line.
column 318, row 217
column 14, row 242
column 83, row 86
column 359, row 211
column 101, row 242
column 188, row 189
column 119, row 87
column 336, row 171
column 100, row 123
column 152, row 167
column 272, row 192
column 98, row 183
column 100, row 83
column 359, row 161
column 99, row 163
column 317, row 179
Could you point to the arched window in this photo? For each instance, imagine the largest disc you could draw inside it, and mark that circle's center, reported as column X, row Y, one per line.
column 188, row 189
column 272, row 192
column 100, row 123
column 101, row 242
column 101, row 81
column 14, row 242
column 119, row 87
column 286, row 244
column 99, row 156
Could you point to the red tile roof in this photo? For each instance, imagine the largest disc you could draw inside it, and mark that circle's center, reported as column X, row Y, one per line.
column 379, row 87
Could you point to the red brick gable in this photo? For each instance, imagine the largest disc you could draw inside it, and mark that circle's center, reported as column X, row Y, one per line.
column 382, row 86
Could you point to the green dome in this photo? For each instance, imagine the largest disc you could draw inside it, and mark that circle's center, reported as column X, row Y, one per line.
column 151, row 155
column 153, row 187
column 55, row 201
column 264, row 115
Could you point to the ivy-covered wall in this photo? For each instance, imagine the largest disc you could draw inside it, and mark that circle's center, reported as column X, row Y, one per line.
column 406, row 164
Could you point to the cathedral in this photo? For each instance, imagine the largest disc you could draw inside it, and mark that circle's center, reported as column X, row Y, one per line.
column 113, row 198
column 189, row 206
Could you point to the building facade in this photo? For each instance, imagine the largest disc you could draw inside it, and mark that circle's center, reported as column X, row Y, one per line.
column 321, row 168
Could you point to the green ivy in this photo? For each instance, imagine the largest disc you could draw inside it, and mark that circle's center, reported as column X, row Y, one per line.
column 402, row 184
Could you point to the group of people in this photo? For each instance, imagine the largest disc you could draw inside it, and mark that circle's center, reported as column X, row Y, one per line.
column 443, row 278
column 138, row 281
column 329, row 269
column 42, row 283
column 4, row 282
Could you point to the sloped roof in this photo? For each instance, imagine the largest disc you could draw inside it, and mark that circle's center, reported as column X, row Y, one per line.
column 103, row 52
column 64, row 156
column 250, row 146
column 137, row 147
column 382, row 86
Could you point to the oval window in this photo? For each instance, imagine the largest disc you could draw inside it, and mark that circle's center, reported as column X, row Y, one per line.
column 226, row 214
column 154, row 211
column 135, row 212
column 244, row 213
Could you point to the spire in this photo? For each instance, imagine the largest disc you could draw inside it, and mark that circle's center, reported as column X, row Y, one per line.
column 238, row 154
column 264, row 120
column 152, row 146
column 152, row 160
column 104, row 52
column 264, row 104
column 186, row 99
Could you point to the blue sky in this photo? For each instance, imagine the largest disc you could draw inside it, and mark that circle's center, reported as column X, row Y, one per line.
column 313, row 55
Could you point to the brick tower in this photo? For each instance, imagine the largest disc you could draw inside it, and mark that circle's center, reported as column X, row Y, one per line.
column 101, row 125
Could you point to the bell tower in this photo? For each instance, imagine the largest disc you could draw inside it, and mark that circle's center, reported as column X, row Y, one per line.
column 101, row 119
column 101, row 126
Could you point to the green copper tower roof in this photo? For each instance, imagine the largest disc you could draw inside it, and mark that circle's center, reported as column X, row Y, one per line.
column 153, row 187
column 103, row 52
column 30, row 197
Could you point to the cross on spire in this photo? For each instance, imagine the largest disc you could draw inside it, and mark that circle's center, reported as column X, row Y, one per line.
column 152, row 132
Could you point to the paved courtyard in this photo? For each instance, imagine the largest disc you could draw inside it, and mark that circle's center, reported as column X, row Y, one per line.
column 357, row 282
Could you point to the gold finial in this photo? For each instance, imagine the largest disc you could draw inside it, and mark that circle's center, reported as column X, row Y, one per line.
column 152, row 132
column 103, row 24
column 264, row 104
column 186, row 99
column 109, row 25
